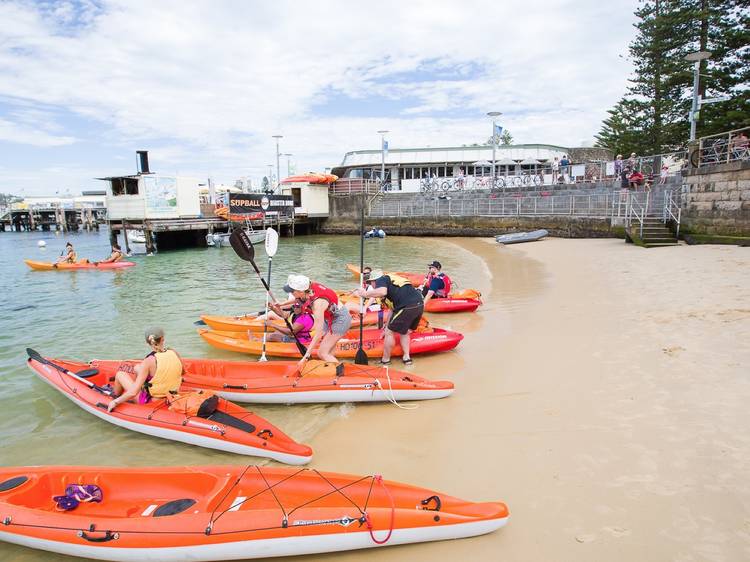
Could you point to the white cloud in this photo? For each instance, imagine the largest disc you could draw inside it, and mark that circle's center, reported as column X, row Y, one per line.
column 21, row 134
column 204, row 85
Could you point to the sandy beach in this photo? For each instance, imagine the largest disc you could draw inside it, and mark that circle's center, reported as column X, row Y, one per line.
column 602, row 392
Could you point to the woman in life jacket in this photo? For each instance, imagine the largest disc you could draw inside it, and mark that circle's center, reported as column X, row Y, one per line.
column 115, row 256
column 157, row 376
column 69, row 255
column 437, row 285
column 331, row 319
column 302, row 323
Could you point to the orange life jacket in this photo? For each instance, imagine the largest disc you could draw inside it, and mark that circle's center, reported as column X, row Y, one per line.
column 447, row 284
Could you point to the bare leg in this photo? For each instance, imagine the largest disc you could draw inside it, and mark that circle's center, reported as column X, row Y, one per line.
column 326, row 347
column 405, row 342
column 388, row 344
column 124, row 382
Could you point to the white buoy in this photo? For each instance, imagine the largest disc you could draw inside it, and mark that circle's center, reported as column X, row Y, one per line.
column 41, row 243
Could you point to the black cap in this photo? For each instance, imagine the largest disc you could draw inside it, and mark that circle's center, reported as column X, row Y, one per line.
column 435, row 264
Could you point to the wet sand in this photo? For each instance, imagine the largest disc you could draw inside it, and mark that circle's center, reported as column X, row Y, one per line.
column 603, row 393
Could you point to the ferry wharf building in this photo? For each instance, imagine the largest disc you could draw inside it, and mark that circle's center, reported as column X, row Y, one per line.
column 405, row 168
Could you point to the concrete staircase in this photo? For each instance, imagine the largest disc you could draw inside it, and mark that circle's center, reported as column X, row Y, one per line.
column 655, row 233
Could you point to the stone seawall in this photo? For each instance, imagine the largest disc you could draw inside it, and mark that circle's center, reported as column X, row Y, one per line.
column 560, row 226
column 716, row 201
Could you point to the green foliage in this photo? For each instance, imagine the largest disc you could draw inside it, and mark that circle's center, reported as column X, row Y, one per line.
column 652, row 116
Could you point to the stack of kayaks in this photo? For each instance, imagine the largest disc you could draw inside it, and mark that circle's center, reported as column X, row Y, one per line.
column 83, row 264
column 280, row 382
column 311, row 177
column 227, row 512
column 231, row 428
column 431, row 340
column 518, row 237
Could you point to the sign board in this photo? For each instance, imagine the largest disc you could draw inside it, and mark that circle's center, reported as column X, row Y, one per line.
column 161, row 196
column 254, row 203
column 714, row 100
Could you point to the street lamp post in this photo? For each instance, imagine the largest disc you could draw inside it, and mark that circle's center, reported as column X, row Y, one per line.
column 494, row 115
column 382, row 134
column 270, row 177
column 278, row 167
column 695, row 58
column 288, row 166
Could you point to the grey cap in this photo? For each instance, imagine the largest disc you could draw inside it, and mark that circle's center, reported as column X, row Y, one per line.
column 154, row 331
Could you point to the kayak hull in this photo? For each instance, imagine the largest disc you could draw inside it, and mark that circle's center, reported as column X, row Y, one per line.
column 157, row 420
column 48, row 266
column 231, row 513
column 432, row 340
column 254, row 324
column 278, row 382
column 518, row 237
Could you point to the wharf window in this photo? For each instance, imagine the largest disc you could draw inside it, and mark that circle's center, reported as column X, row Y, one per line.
column 124, row 186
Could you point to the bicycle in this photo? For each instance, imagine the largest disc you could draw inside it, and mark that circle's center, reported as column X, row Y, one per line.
column 428, row 185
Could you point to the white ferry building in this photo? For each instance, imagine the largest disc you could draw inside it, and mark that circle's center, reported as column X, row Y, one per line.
column 405, row 167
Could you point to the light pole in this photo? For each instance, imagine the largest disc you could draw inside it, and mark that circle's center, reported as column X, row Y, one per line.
column 382, row 134
column 288, row 165
column 494, row 115
column 278, row 168
column 695, row 58
column 270, row 177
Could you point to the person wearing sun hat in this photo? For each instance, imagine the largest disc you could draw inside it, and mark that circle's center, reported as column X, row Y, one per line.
column 407, row 304
column 331, row 319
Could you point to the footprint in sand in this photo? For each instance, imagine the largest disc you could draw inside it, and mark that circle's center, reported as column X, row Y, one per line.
column 672, row 350
column 585, row 538
column 617, row 531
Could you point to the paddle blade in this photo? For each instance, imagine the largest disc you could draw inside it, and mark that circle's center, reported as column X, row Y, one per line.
column 361, row 357
column 241, row 244
column 35, row 355
column 199, row 323
column 272, row 242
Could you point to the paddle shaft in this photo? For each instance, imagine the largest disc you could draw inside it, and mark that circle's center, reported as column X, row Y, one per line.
column 265, row 318
column 38, row 358
column 361, row 357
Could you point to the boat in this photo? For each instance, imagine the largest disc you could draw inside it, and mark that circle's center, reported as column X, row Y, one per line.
column 253, row 323
column 467, row 300
column 230, row 428
column 281, row 382
column 81, row 264
column 137, row 236
column 373, row 233
column 206, row 513
column 221, row 239
column 431, row 340
column 518, row 237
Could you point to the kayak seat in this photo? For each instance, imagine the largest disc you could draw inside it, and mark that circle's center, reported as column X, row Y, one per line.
column 174, row 507
column 226, row 419
column 12, row 483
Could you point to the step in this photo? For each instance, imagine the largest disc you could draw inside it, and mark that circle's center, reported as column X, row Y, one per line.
column 659, row 244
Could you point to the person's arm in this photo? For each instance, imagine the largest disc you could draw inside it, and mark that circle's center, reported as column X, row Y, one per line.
column 110, row 259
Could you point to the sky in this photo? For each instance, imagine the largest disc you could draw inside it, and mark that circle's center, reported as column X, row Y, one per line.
column 204, row 85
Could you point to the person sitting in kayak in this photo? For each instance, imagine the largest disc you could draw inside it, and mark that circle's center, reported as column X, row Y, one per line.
column 158, row 375
column 69, row 255
column 407, row 305
column 331, row 320
column 115, row 256
column 369, row 304
column 302, row 323
column 437, row 285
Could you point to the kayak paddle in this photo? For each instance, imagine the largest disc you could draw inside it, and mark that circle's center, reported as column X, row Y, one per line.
column 361, row 357
column 272, row 244
column 243, row 247
column 81, row 376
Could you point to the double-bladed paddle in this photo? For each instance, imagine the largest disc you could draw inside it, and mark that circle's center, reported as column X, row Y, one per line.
column 81, row 376
column 272, row 244
column 243, row 247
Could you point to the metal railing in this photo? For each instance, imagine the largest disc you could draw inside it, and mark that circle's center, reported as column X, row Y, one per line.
column 637, row 210
column 672, row 210
column 722, row 148
column 349, row 186
column 598, row 205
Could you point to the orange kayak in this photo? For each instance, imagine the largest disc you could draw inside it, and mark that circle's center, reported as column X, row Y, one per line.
column 175, row 514
column 431, row 340
column 250, row 323
column 467, row 300
column 415, row 279
column 83, row 264
column 231, row 428
column 279, row 382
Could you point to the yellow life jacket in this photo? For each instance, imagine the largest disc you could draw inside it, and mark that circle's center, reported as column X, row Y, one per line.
column 168, row 376
column 398, row 281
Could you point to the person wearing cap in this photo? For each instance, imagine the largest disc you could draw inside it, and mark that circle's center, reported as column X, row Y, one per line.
column 158, row 375
column 330, row 320
column 407, row 305
column 302, row 323
column 436, row 284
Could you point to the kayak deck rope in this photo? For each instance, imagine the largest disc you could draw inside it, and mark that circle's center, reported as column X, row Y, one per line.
column 379, row 479
column 392, row 397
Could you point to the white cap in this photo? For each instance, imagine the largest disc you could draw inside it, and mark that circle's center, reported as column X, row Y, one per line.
column 297, row 283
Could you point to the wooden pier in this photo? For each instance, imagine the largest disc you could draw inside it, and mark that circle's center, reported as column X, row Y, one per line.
column 51, row 218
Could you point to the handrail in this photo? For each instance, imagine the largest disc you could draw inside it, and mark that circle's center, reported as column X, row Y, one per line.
column 632, row 211
column 669, row 202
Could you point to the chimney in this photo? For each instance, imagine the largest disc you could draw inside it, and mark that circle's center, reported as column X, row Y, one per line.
column 143, row 161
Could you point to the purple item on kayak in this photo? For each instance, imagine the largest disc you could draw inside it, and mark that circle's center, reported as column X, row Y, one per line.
column 77, row 493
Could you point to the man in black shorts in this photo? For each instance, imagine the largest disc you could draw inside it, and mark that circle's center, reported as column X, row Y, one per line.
column 407, row 305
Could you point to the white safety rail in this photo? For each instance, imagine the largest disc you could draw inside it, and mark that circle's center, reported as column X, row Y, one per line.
column 722, row 148
column 672, row 210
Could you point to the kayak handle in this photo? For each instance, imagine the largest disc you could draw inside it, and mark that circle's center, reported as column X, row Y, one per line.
column 436, row 499
column 108, row 536
column 262, row 434
column 236, row 386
